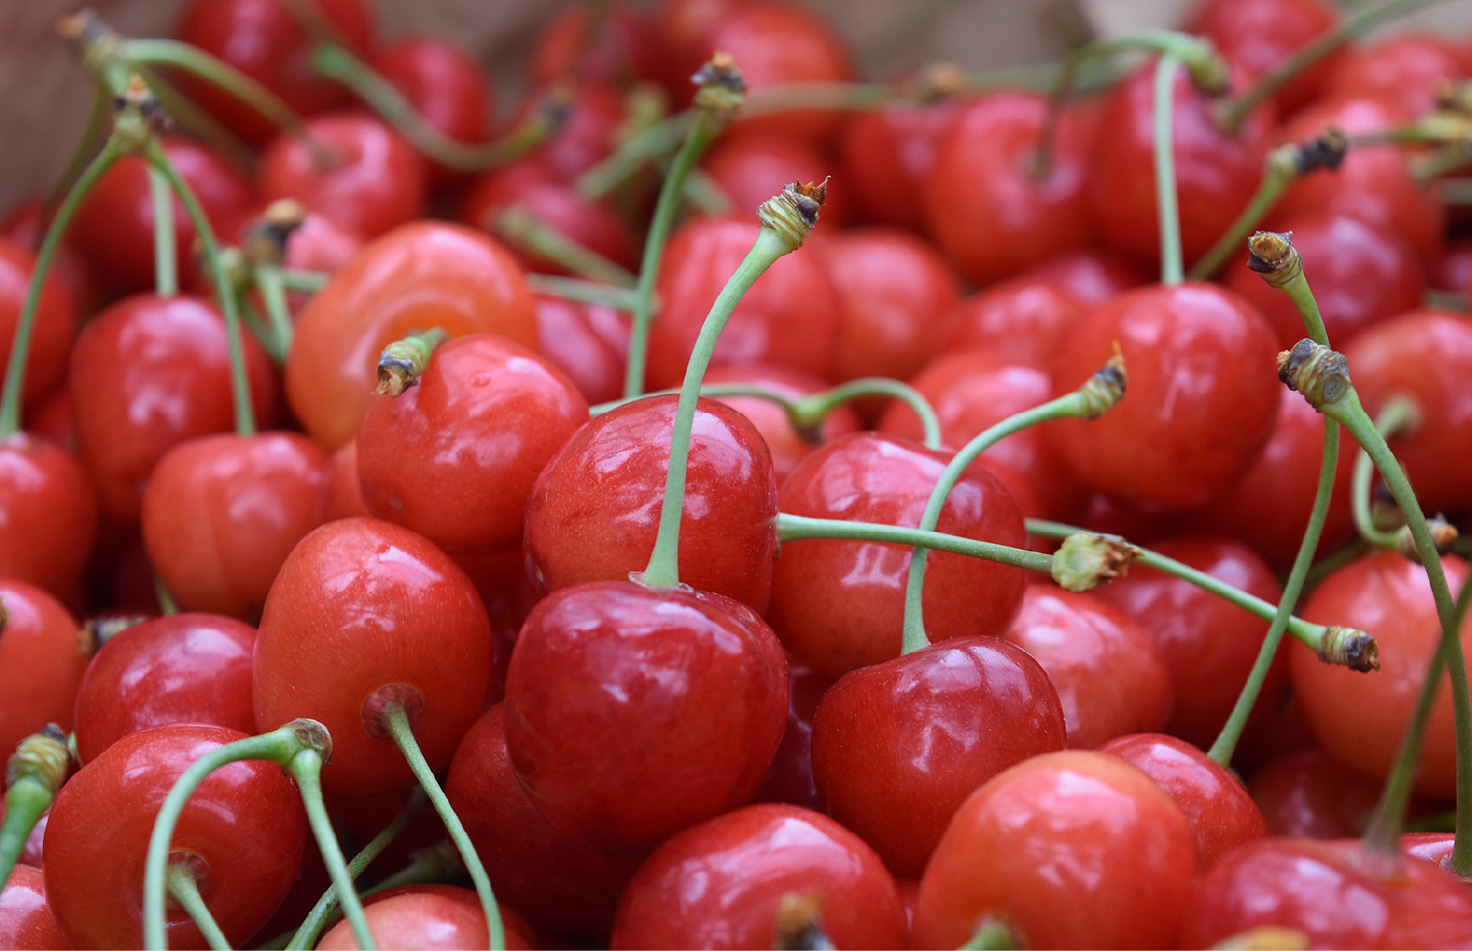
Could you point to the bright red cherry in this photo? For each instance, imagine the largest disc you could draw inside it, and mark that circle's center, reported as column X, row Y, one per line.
column 1020, row 320
column 787, row 446
column 587, row 342
column 55, row 321
column 26, row 922
column 747, row 166
column 1405, row 72
column 1256, row 36
column 445, row 86
column 431, row 918
column 886, row 156
column 42, row 659
column 48, row 514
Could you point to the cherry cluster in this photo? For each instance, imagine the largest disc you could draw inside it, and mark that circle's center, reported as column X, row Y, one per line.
column 733, row 503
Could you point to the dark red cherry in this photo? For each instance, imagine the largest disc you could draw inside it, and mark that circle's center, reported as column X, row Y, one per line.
column 445, row 86
column 886, row 156
column 1310, row 794
column 1020, row 320
column 790, row 778
column 42, row 658
column 587, row 132
column 24, row 226
column 684, row 29
column 1256, row 36
column 1405, row 72
column 616, row 45
column 588, row 342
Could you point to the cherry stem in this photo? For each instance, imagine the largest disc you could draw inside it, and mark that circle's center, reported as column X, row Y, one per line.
column 1083, row 403
column 1398, row 413
column 396, row 721
column 337, row 63
column 1171, row 267
column 15, row 370
column 206, row 127
column 992, row 934
column 583, row 292
column 326, row 908
column 299, row 747
column 184, row 889
column 793, row 528
column 92, row 134
column 280, row 330
column 165, row 244
column 433, row 863
column 217, row 72
column 245, row 417
column 309, row 281
column 1235, row 111
column 786, row 220
column 649, row 144
column 166, row 603
column 717, row 99
column 33, row 774
column 528, row 232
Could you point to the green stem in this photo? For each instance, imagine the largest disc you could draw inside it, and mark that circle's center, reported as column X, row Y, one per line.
column 217, row 72
column 309, row 281
column 435, row 863
column 165, row 253
column 1280, row 168
column 15, row 370
column 269, row 282
column 185, row 890
column 645, row 146
column 91, row 136
column 793, row 528
column 204, row 126
column 245, row 417
column 1398, row 413
column 1172, row 270
column 166, row 603
column 306, row 769
column 584, row 292
column 396, row 721
column 529, row 233
column 33, row 774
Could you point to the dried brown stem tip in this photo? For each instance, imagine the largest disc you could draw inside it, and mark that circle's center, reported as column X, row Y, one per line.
column 721, row 89
column 265, row 241
column 1347, row 647
column 97, row 631
column 43, row 756
column 939, row 81
column 1320, row 374
column 798, row 925
column 1327, row 151
column 1443, row 534
column 1087, row 559
column 1103, row 391
column 794, row 213
column 313, row 735
column 1271, row 254
column 402, row 362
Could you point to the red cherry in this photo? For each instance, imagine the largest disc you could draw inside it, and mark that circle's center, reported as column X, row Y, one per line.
column 1091, row 277
column 622, row 48
column 242, row 831
column 24, row 226
column 221, row 513
column 342, row 490
column 26, row 922
column 177, row 668
column 418, row 276
column 587, row 134
column 361, row 605
column 50, row 516
column 633, row 713
column 1310, row 794
column 747, row 167
column 721, row 884
column 587, row 342
column 1070, row 849
column 54, row 327
column 1203, row 394
column 430, row 917
column 839, row 605
column 445, row 86
column 42, row 659
column 1021, row 319
column 454, row 457
column 1257, row 36
column 594, row 511
column 790, row 778
column 787, row 446
column 899, row 745
column 986, row 204
column 1404, row 72
column 1110, row 675
column 685, row 29
column 263, row 40
column 147, row 374
column 1220, row 811
column 886, row 156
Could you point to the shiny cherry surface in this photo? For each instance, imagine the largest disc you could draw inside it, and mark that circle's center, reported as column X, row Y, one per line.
column 26, row 922
column 886, row 156
column 1310, row 794
column 1020, row 319
column 587, row 342
column 48, row 514
column 42, row 660
column 428, row 917
column 55, row 321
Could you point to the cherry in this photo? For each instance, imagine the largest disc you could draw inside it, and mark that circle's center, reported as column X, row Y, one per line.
column 26, row 921
column 886, row 156
column 1257, row 36
column 445, row 86
column 1310, row 794
column 55, row 321
column 364, row 613
column 1069, row 849
column 614, row 45
column 1209, row 646
column 1021, row 319
column 431, row 917
column 1403, row 72
column 353, row 170
column 113, row 227
column 588, row 342
column 790, row 778
column 418, row 276
column 991, row 207
column 594, row 511
column 24, row 226
column 1360, row 719
column 787, row 445
column 685, row 30
column 633, row 713
column 790, row 316
column 147, row 374
column 1452, row 273
column 241, row 834
column 1424, row 356
column 263, row 40
column 1220, row 811
column 558, row 882
column 897, row 746
column 1090, row 277
column 221, row 513
column 342, row 491
column 724, row 884
column 1202, row 394
column 746, row 166
column 178, row 668
column 50, row 517
column 41, row 663
column 892, row 286
column 838, row 605
column 586, row 133
column 1110, row 675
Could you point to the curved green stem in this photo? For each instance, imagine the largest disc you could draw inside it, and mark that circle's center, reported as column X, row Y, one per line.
column 396, row 721
column 309, row 281
column 1397, row 413
column 15, row 370
column 306, row 769
column 204, row 126
column 269, row 282
column 584, row 292
column 185, row 890
column 1172, row 270
column 1280, row 168
column 33, row 775
column 165, row 244
column 529, row 233
column 647, row 145
column 793, row 528
column 217, row 72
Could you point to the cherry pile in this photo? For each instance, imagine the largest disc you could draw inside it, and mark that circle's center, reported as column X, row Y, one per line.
column 733, row 502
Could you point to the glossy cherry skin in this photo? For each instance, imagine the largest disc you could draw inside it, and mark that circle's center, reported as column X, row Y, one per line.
column 587, row 342
column 839, row 605
column 1404, row 72
column 429, row 917
column 1203, row 393
column 987, row 207
column 372, row 179
column 176, row 668
column 633, row 713
column 26, row 922
column 886, row 156
column 1310, row 794
column 899, row 745
column 41, row 663
column 790, row 778
column 893, row 287
column 1020, row 320
column 1333, row 892
column 48, row 514
column 1072, row 849
column 23, row 225
column 147, row 374
column 55, row 321
column 556, row 881
column 444, row 85
column 342, row 491
column 113, row 227
column 1256, row 36
column 1425, row 356
column 244, row 826
column 1208, row 645
column 1091, row 276
column 358, row 605
column 1360, row 717
column 1110, row 676
column 791, row 315
column 787, row 446
column 420, row 275
column 454, row 457
column 1216, row 172
column 747, row 166
column 594, row 511
column 719, row 884
column 1220, row 811
column 263, row 40
column 221, row 513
